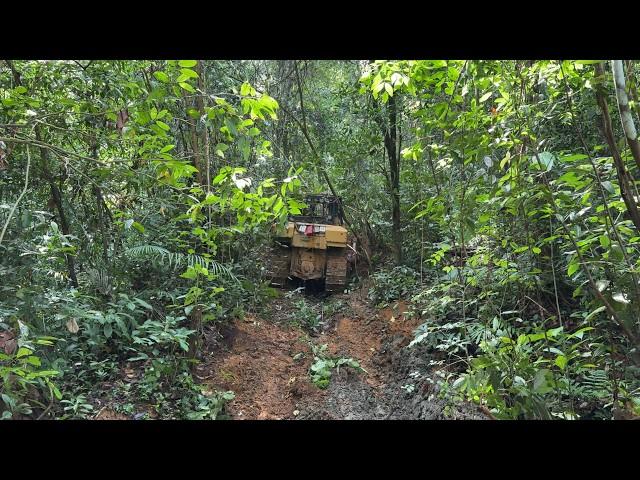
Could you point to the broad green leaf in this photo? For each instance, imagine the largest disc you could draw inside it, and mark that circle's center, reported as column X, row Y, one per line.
column 389, row 89
column 594, row 313
column 188, row 73
column 33, row 360
column 56, row 392
column 485, row 97
column 608, row 186
column 161, row 76
column 573, row 268
column 138, row 226
column 187, row 87
column 162, row 125
column 23, row 351
column 547, row 160
column 540, row 384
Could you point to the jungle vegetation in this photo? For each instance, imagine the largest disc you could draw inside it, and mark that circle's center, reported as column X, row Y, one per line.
column 499, row 198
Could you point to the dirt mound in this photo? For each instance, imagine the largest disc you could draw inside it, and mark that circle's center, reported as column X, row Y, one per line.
column 413, row 386
column 360, row 334
column 257, row 363
column 409, row 391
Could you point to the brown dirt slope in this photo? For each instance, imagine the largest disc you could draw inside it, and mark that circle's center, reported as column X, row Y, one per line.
column 266, row 363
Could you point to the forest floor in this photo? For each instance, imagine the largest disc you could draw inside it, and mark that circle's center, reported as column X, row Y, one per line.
column 265, row 361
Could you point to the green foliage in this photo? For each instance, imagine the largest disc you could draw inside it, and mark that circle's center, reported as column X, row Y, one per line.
column 120, row 210
column 532, row 376
column 162, row 334
column 78, row 408
column 310, row 314
column 306, row 315
column 178, row 259
column 151, row 184
column 321, row 369
column 25, row 382
column 392, row 284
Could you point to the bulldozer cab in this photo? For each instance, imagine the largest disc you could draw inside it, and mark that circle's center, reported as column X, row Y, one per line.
column 321, row 209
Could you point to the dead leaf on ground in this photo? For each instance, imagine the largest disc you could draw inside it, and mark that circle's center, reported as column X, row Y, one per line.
column 72, row 326
column 123, row 117
column 8, row 342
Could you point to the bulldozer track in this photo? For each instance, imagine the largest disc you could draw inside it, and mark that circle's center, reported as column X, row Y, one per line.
column 279, row 263
column 336, row 276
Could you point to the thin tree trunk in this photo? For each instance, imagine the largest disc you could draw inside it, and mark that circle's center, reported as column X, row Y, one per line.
column 193, row 131
column 391, row 144
column 201, row 160
column 625, row 112
column 623, row 175
column 56, row 194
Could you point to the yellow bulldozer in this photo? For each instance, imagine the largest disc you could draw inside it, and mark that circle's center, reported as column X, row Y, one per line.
column 313, row 245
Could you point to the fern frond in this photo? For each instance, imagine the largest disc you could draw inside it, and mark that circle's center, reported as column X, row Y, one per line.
column 596, row 383
column 177, row 259
column 100, row 279
column 142, row 251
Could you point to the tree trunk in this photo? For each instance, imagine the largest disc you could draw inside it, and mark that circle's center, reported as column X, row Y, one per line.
column 196, row 103
column 393, row 154
column 623, row 175
column 625, row 112
column 56, row 195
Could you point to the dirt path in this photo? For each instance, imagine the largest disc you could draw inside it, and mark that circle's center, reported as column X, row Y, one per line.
column 257, row 361
column 266, row 364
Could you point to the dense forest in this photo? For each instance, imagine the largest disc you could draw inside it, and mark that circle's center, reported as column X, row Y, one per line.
column 491, row 268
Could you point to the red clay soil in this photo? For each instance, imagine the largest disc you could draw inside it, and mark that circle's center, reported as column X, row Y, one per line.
column 258, row 366
column 257, row 361
column 397, row 322
column 360, row 335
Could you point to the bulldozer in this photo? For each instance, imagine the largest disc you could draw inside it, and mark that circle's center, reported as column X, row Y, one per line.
column 313, row 246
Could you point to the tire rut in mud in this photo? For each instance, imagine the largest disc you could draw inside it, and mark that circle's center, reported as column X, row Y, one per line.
column 400, row 384
column 350, row 397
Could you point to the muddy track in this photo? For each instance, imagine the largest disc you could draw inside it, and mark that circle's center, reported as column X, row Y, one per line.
column 266, row 361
